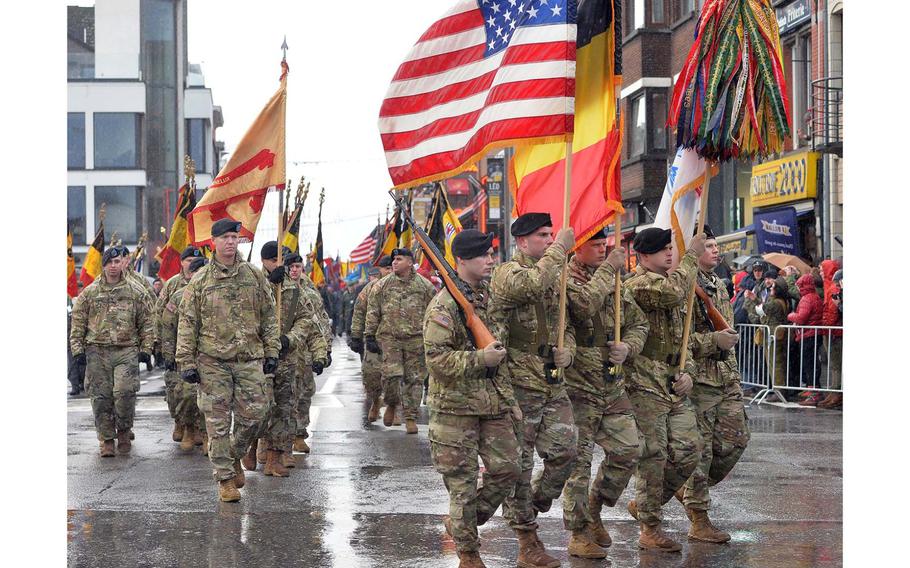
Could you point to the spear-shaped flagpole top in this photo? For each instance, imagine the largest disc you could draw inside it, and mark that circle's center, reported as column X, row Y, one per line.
column 284, row 48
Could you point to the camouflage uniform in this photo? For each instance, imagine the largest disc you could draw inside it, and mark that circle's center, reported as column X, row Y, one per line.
column 525, row 303
column 369, row 361
column 670, row 441
column 227, row 326
column 181, row 395
column 111, row 324
column 600, row 405
column 469, row 416
column 306, row 381
column 717, row 396
column 348, row 299
column 394, row 314
column 299, row 324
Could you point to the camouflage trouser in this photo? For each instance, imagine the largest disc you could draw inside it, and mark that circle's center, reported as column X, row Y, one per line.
column 403, row 371
column 455, row 443
column 186, row 409
column 548, row 426
column 670, row 447
column 237, row 388
column 612, row 428
column 724, row 432
column 171, row 387
column 370, row 368
column 306, row 388
column 280, row 427
column 111, row 382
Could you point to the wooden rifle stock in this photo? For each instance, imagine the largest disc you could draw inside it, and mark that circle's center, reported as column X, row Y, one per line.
column 714, row 316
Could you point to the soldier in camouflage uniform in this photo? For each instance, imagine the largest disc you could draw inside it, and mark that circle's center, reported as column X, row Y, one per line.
column 180, row 395
column 112, row 330
column 369, row 362
column 657, row 389
column 348, row 298
column 228, row 341
column 472, row 408
column 600, row 405
column 525, row 303
column 718, row 399
column 393, row 329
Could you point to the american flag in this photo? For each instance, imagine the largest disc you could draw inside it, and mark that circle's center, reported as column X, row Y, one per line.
column 479, row 199
column 364, row 251
column 487, row 73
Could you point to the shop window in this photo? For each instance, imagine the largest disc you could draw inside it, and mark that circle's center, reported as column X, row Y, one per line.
column 116, row 140
column 75, row 140
column 123, row 211
column 75, row 212
column 637, row 127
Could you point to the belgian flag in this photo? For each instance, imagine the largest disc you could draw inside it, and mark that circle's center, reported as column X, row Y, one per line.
column 317, row 273
column 72, row 287
column 169, row 256
column 292, row 234
column 91, row 268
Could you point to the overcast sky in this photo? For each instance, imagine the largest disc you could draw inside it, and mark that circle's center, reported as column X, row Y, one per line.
column 342, row 57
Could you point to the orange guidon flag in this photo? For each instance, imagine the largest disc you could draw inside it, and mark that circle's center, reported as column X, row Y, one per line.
column 539, row 170
column 72, row 287
column 91, row 268
column 169, row 256
column 257, row 164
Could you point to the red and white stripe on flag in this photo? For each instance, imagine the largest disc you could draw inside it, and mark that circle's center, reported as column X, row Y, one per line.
column 489, row 73
column 364, row 251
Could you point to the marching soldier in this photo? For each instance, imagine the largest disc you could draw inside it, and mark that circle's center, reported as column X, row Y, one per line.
column 658, row 389
column 112, row 331
column 369, row 362
column 472, row 407
column 180, row 395
column 525, row 302
column 718, row 399
column 602, row 411
column 393, row 329
column 228, row 341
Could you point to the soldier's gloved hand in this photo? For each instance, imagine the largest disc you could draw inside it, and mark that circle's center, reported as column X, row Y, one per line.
column 372, row 345
column 270, row 365
column 617, row 258
column 516, row 413
column 566, row 237
column 170, row 365
column 191, row 376
column 79, row 359
column 698, row 244
column 562, row 357
column 618, row 352
column 318, row 367
column 328, row 359
column 357, row 345
column 285, row 343
column 145, row 358
column 683, row 384
column 493, row 354
column 277, row 275
column 726, row 339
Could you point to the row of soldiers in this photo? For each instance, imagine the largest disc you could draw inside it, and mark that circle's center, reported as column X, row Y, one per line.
column 680, row 430
column 241, row 346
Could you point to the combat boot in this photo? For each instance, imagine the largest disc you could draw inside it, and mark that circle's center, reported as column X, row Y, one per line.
column 632, row 507
column 373, row 414
column 132, row 435
column 239, row 477
column 227, row 491
column 249, row 460
column 596, row 528
column 123, row 443
column 205, row 444
column 197, row 436
column 287, row 459
column 410, row 426
column 107, row 449
column 531, row 553
column 397, row 420
column 679, row 497
column 388, row 416
column 300, row 445
column 470, row 560
column 583, row 546
column 652, row 538
column 703, row 530
column 189, row 435
column 262, row 452
column 177, row 434
column 273, row 465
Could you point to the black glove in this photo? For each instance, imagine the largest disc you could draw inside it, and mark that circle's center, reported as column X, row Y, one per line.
column 357, row 345
column 328, row 359
column 318, row 366
column 191, row 376
column 277, row 275
column 79, row 359
column 269, row 365
column 285, row 343
column 170, row 365
column 372, row 346
column 145, row 358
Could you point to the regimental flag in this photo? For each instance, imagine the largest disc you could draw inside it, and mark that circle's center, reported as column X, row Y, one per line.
column 443, row 224
column 484, row 76
column 179, row 238
column 317, row 274
column 292, row 235
column 72, row 286
column 392, row 233
column 91, row 268
column 257, row 164
column 364, row 251
column 539, row 170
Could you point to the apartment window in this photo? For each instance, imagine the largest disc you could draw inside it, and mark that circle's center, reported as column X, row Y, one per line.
column 682, row 9
column 195, row 141
column 658, row 13
column 635, row 15
column 658, row 121
column 123, row 212
column 75, row 212
column 75, row 140
column 638, row 126
column 116, row 140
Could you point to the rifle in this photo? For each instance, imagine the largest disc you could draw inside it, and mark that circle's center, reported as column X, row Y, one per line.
column 715, row 318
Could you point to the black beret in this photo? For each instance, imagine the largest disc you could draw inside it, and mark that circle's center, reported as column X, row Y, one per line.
column 112, row 253
column 223, row 226
column 190, row 251
column 707, row 230
column 269, row 250
column 291, row 258
column 530, row 222
column 471, row 243
column 601, row 234
column 197, row 264
column 384, row 262
column 373, row 271
column 402, row 252
column 652, row 240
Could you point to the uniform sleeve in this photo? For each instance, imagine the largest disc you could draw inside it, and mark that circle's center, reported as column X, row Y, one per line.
column 374, row 310
column 145, row 324
column 703, row 343
column 446, row 361
column 635, row 325
column 518, row 285
column 188, row 327
column 359, row 318
column 586, row 300
column 669, row 292
column 268, row 324
column 80, row 322
column 309, row 333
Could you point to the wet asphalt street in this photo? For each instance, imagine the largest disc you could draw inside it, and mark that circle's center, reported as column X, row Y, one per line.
column 368, row 496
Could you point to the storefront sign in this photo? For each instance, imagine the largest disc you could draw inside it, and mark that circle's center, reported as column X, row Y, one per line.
column 777, row 231
column 793, row 15
column 791, row 178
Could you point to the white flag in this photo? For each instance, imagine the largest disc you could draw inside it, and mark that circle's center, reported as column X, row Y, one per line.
column 680, row 202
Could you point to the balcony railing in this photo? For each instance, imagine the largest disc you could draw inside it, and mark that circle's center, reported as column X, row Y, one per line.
column 826, row 120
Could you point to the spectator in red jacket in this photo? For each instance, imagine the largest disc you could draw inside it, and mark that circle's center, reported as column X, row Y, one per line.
column 808, row 313
column 832, row 316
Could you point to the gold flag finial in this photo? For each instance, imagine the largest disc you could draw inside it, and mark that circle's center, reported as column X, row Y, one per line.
column 163, row 231
column 102, row 212
column 189, row 168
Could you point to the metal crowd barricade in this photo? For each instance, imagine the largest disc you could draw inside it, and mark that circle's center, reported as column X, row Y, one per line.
column 755, row 357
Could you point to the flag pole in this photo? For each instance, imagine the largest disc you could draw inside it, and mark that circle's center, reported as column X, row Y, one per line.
column 280, row 242
column 564, row 278
column 690, row 301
